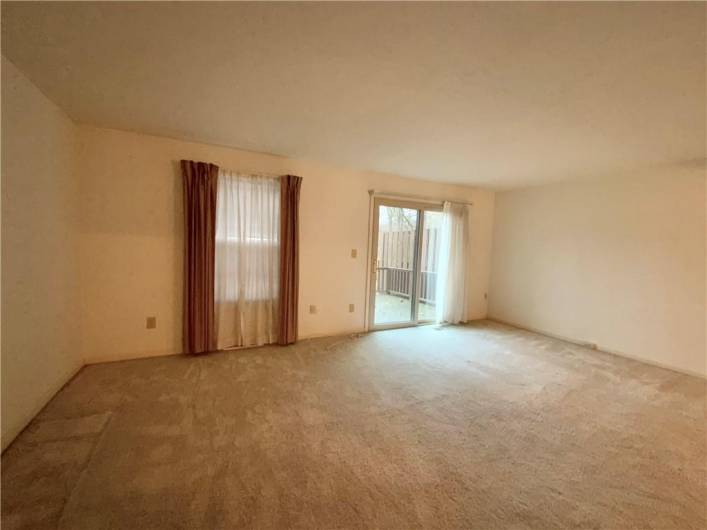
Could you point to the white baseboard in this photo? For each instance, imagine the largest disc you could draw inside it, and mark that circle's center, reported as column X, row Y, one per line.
column 10, row 432
column 599, row 348
column 117, row 357
column 332, row 334
column 112, row 358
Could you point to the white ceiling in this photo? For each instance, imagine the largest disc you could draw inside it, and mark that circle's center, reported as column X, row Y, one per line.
column 501, row 95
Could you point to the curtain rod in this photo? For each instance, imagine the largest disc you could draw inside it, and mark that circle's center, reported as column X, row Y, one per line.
column 378, row 193
column 246, row 173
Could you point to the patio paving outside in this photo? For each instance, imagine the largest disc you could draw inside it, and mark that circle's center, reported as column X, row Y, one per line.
column 391, row 309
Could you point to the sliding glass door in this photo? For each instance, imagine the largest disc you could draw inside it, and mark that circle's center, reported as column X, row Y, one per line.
column 405, row 255
column 429, row 256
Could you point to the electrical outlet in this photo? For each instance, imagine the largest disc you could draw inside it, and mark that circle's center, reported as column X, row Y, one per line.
column 312, row 310
column 354, row 252
column 351, row 308
column 151, row 322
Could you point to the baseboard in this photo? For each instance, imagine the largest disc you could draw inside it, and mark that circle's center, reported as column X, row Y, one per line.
column 117, row 357
column 332, row 334
column 114, row 358
column 10, row 433
column 147, row 355
column 599, row 348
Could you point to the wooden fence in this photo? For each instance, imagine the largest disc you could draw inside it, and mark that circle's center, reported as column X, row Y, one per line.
column 396, row 254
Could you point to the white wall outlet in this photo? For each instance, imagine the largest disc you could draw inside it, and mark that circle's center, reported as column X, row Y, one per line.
column 312, row 310
column 151, row 322
column 351, row 308
column 354, row 252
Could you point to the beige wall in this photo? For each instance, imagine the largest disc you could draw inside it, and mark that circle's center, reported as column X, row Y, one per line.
column 40, row 330
column 619, row 262
column 131, row 224
column 92, row 243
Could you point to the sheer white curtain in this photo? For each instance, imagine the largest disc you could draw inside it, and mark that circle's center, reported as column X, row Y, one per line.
column 452, row 268
column 247, row 259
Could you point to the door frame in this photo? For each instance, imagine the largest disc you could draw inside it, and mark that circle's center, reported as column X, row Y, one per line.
column 421, row 207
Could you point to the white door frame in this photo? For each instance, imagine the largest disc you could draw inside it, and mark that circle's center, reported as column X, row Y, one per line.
column 421, row 207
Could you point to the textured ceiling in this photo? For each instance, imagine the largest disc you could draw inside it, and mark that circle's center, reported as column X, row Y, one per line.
column 501, row 95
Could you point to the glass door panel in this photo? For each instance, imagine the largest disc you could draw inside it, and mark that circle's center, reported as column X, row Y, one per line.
column 429, row 257
column 395, row 267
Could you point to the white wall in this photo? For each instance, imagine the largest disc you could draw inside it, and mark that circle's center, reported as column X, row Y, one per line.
column 40, row 330
column 619, row 262
column 132, row 229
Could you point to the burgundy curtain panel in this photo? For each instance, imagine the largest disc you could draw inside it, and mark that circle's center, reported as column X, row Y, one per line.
column 289, row 257
column 200, row 184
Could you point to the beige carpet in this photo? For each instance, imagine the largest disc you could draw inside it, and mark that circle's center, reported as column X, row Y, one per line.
column 480, row 427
